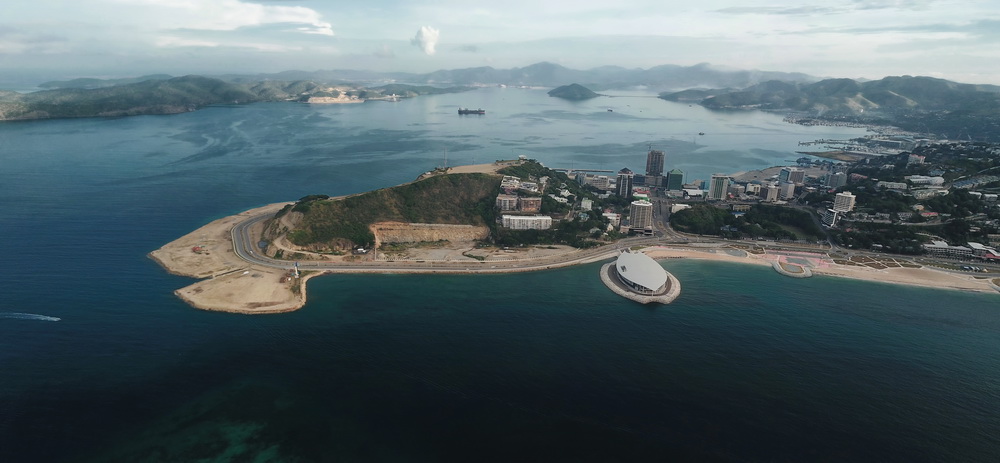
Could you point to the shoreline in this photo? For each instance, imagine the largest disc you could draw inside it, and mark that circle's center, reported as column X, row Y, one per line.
column 229, row 284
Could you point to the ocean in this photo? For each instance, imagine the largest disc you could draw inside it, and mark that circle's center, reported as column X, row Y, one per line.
column 99, row 361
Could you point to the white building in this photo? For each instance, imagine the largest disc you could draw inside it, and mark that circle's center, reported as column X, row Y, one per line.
column 640, row 273
column 941, row 248
column 527, row 222
column 641, row 215
column 844, row 202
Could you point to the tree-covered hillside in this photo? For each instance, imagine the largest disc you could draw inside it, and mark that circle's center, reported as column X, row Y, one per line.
column 460, row 199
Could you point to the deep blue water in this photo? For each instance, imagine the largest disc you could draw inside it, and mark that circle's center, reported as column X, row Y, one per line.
column 745, row 366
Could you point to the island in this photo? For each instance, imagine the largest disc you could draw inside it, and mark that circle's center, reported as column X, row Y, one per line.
column 574, row 92
column 488, row 218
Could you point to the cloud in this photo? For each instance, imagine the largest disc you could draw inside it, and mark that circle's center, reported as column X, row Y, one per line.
column 229, row 15
column 426, row 39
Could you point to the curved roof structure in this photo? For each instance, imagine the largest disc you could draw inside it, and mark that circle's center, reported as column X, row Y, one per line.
column 641, row 270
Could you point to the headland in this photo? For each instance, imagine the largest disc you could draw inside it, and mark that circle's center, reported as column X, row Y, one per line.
column 239, row 276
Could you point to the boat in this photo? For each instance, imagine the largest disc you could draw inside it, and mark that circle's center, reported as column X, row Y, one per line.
column 471, row 111
column 701, row 133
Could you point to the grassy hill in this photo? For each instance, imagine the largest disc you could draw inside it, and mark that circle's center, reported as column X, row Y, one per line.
column 459, row 199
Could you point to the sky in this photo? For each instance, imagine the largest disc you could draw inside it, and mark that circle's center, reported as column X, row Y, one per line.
column 50, row 39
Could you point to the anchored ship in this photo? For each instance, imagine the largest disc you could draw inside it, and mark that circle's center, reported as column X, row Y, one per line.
column 471, row 111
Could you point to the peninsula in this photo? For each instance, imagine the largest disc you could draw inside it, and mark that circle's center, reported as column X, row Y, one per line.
column 163, row 95
column 259, row 261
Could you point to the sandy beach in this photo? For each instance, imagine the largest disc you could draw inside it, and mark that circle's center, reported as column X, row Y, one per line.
column 822, row 265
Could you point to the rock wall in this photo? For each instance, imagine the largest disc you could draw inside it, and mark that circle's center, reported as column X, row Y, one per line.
column 398, row 232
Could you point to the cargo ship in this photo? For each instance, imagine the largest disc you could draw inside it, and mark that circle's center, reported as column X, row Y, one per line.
column 471, row 111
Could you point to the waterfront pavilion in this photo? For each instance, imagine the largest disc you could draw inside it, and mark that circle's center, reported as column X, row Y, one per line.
column 640, row 273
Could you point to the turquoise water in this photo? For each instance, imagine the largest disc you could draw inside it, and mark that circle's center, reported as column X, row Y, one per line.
column 745, row 366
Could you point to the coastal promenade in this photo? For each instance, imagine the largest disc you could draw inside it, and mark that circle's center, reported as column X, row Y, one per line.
column 238, row 277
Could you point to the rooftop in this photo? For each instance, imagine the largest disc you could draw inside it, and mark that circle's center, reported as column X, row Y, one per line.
column 641, row 270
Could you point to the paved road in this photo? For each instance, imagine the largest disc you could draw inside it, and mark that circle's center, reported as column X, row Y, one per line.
column 245, row 246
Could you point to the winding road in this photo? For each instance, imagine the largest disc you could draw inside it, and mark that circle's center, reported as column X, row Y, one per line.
column 244, row 245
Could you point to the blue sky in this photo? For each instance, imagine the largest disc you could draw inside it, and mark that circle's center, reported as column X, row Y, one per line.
column 957, row 40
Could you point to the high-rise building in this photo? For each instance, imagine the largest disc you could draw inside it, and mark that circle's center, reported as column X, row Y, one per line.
column 654, row 163
column 624, row 186
column 675, row 180
column 844, row 202
column 770, row 193
column 791, row 174
column 640, row 215
column 787, row 190
column 836, row 180
column 830, row 217
column 718, row 186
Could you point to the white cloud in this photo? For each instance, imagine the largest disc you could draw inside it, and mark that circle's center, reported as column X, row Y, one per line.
column 228, row 15
column 426, row 39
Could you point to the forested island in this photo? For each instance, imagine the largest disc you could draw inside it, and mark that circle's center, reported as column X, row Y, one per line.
column 573, row 92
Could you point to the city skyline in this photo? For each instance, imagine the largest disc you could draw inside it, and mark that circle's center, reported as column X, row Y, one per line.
column 857, row 39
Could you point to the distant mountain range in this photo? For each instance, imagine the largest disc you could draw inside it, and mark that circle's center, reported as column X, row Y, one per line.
column 919, row 104
column 171, row 95
column 666, row 77
column 846, row 96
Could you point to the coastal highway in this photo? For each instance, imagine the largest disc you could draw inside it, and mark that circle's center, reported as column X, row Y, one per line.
column 245, row 247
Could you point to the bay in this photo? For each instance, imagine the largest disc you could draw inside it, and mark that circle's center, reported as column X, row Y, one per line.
column 744, row 366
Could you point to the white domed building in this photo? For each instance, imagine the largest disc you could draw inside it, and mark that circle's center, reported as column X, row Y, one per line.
column 637, row 276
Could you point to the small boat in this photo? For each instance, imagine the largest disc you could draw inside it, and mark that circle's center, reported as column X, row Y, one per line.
column 471, row 111
column 611, row 110
column 701, row 133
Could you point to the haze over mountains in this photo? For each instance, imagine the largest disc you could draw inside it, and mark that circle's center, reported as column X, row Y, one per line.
column 659, row 78
column 915, row 103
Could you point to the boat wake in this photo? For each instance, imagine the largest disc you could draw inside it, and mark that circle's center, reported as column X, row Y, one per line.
column 28, row 316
